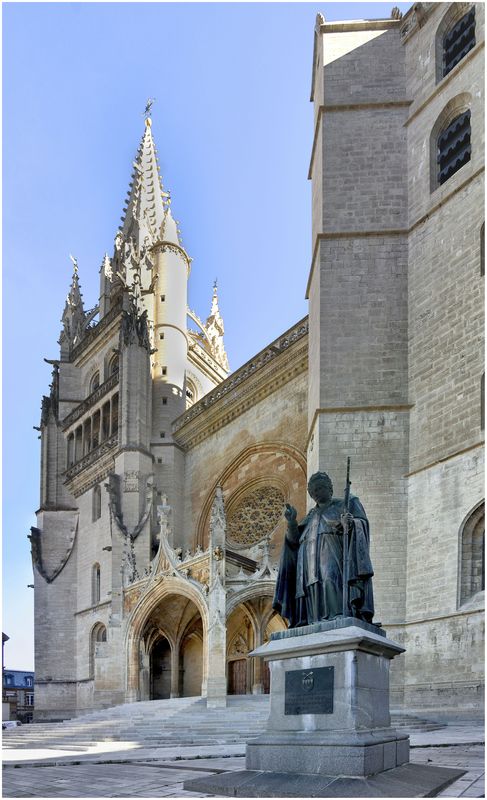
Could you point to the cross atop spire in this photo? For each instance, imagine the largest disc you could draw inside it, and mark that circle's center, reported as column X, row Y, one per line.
column 75, row 264
column 148, row 107
column 215, row 310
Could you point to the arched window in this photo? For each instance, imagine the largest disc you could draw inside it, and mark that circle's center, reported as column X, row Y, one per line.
column 95, row 382
column 95, row 584
column 472, row 554
column 455, row 37
column 98, row 634
column 190, row 395
column 96, row 503
column 70, row 450
column 450, row 140
column 454, row 147
column 113, row 366
column 191, row 392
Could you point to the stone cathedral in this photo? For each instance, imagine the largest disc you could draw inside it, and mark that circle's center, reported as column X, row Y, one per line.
column 164, row 476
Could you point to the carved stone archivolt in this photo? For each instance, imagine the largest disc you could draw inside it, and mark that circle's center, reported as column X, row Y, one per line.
column 255, row 516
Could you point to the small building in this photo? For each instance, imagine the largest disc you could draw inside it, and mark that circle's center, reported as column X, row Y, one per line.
column 18, row 694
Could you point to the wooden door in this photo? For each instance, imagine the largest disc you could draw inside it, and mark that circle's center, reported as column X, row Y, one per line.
column 237, row 676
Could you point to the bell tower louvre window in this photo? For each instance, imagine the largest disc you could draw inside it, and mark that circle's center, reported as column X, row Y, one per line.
column 454, row 147
column 459, row 41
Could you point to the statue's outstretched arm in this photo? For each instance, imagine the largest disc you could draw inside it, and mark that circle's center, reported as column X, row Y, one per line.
column 291, row 516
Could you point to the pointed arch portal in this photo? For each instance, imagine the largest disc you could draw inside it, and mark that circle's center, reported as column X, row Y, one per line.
column 250, row 623
column 167, row 643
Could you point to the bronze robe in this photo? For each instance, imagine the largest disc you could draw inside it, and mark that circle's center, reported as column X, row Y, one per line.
column 310, row 579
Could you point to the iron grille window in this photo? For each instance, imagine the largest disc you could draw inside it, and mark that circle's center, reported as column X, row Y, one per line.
column 454, row 147
column 459, row 41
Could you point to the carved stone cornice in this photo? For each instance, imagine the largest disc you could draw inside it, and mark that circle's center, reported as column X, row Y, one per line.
column 91, row 477
column 90, row 401
column 94, row 332
column 284, row 358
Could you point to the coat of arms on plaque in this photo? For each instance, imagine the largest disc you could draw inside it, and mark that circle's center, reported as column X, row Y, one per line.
column 308, row 681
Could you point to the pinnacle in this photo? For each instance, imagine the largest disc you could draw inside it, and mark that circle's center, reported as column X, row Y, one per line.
column 146, row 205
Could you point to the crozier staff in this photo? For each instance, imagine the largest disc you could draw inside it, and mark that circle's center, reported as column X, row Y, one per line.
column 310, row 581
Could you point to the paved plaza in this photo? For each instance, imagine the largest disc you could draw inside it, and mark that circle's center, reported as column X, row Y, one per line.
column 116, row 769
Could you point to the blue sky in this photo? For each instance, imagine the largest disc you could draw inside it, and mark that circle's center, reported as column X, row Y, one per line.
column 233, row 127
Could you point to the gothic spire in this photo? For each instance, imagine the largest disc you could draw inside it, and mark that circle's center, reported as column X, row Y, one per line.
column 147, row 213
column 74, row 317
column 215, row 329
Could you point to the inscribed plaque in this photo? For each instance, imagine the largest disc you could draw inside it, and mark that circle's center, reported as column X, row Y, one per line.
column 309, row 691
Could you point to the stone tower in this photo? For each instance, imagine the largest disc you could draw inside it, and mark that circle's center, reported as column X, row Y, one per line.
column 396, row 322
column 126, row 370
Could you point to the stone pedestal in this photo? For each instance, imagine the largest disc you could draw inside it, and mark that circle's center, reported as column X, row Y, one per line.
column 329, row 702
column 329, row 732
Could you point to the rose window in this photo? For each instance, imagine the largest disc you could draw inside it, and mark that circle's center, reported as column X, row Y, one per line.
column 255, row 515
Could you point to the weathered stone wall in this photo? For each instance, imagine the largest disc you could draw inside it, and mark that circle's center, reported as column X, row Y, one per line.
column 444, row 662
column 54, row 631
column 358, row 403
column 279, row 420
column 396, row 325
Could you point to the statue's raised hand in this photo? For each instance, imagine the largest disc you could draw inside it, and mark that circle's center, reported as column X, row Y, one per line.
column 290, row 514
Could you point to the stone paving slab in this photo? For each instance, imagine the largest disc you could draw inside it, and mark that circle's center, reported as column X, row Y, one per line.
column 410, row 780
column 157, row 771
column 100, row 780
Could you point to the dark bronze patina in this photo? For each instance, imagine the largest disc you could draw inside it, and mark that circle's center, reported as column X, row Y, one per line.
column 310, row 585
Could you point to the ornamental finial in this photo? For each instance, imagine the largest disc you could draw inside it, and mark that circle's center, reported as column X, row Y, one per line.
column 148, row 110
column 75, row 263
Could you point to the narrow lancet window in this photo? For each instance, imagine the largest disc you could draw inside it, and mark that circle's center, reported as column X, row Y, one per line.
column 96, row 503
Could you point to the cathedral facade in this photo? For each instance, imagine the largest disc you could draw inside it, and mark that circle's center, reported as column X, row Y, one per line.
column 164, row 477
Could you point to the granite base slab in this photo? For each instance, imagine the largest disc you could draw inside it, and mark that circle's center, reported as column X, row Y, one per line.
column 410, row 780
column 352, row 753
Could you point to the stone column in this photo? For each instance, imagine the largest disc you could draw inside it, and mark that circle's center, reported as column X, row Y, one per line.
column 257, row 685
column 217, row 632
column 175, row 670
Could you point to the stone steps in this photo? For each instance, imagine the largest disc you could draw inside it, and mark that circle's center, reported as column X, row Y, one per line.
column 178, row 721
column 181, row 721
column 412, row 722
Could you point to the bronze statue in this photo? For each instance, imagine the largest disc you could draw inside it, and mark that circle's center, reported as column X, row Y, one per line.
column 310, row 581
